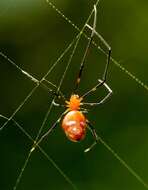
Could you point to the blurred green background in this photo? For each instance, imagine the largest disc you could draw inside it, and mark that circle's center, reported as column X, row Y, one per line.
column 33, row 35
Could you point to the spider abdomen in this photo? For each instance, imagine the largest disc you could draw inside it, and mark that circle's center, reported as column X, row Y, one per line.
column 74, row 125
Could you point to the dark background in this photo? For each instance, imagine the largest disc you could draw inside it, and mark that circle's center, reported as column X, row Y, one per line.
column 33, row 35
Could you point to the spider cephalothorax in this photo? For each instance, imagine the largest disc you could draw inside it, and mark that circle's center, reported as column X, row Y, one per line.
column 74, row 102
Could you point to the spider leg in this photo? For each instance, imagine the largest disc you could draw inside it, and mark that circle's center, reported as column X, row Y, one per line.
column 57, row 91
column 104, row 99
column 93, row 131
column 57, row 104
column 86, row 50
column 48, row 132
column 104, row 77
column 108, row 55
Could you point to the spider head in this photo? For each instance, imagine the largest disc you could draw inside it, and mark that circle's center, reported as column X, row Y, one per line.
column 74, row 102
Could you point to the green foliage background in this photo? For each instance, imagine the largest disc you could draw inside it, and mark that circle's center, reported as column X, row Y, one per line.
column 33, row 35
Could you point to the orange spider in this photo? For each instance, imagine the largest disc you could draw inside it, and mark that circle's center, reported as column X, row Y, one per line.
column 74, row 122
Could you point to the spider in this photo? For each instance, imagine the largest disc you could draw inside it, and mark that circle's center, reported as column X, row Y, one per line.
column 74, row 122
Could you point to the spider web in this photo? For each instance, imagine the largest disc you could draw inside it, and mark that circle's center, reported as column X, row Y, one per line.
column 71, row 47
